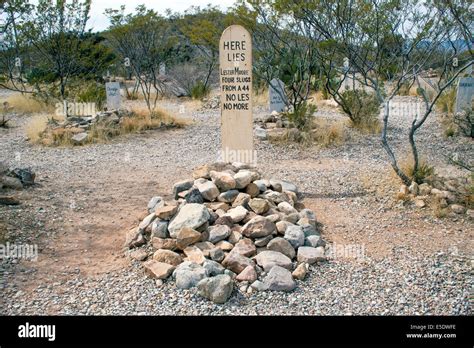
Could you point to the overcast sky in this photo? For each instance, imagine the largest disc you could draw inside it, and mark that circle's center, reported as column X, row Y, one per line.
column 99, row 22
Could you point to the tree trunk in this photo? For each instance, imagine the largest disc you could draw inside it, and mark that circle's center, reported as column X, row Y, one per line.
column 393, row 161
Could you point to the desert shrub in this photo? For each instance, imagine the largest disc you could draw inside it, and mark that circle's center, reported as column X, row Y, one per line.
column 424, row 170
column 3, row 115
column 193, row 78
column 132, row 95
column 199, row 90
column 365, row 110
column 92, row 93
column 464, row 122
column 450, row 131
column 328, row 134
column 447, row 101
column 404, row 89
column 302, row 117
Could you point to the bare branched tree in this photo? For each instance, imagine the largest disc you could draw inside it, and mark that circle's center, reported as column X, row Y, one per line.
column 145, row 39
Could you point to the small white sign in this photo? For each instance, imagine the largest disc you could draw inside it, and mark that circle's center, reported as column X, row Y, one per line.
column 112, row 90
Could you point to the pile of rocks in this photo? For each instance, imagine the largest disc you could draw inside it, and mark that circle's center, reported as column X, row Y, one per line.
column 274, row 125
column 79, row 126
column 447, row 194
column 211, row 103
column 14, row 179
column 228, row 224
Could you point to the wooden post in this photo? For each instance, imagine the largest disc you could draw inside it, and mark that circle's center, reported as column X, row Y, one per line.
column 235, row 58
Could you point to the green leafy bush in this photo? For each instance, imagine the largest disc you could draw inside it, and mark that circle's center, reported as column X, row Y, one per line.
column 364, row 110
column 92, row 93
column 465, row 122
column 199, row 90
column 302, row 117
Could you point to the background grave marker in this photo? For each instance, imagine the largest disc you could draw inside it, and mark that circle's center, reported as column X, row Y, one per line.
column 464, row 94
column 277, row 95
column 112, row 90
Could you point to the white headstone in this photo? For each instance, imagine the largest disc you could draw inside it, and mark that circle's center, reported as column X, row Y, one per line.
column 277, row 95
column 235, row 58
column 464, row 94
column 112, row 90
column 162, row 69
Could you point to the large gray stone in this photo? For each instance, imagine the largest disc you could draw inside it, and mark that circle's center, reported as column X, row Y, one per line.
column 237, row 214
column 181, row 186
column 314, row 241
column 242, row 179
column 218, row 289
column 295, row 235
column 286, row 208
column 224, row 181
column 208, row 189
column 259, row 205
column 218, row 233
column 167, row 256
column 188, row 274
column 213, row 268
column 269, row 258
column 158, row 270
column 310, row 255
column 190, row 215
column 236, row 262
column 287, row 186
column 283, row 246
column 245, row 247
column 228, row 196
column 258, row 227
column 80, row 138
column 279, row 279
column 154, row 203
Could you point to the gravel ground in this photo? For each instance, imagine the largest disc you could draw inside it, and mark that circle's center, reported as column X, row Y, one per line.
column 87, row 197
column 393, row 286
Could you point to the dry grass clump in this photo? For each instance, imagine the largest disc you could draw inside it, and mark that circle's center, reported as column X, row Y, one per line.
column 315, row 98
column 368, row 126
column 38, row 125
column 326, row 133
column 424, row 169
column 323, row 133
column 28, row 105
column 260, row 98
